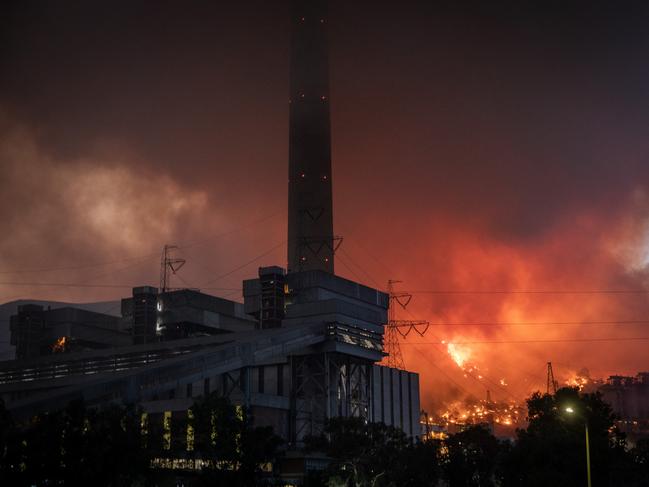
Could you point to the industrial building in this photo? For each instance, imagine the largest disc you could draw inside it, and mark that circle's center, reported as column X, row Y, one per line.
column 304, row 345
column 36, row 331
column 629, row 398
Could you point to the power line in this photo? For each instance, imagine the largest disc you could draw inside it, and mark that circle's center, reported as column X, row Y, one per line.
column 65, row 284
column 364, row 249
column 128, row 286
column 349, row 268
column 542, row 323
column 232, row 289
column 558, row 340
column 353, row 262
column 231, row 232
column 83, row 266
column 143, row 256
column 251, row 261
column 490, row 292
column 68, row 284
column 450, row 379
column 532, row 291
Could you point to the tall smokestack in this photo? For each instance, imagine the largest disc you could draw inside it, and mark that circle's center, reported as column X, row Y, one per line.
column 310, row 209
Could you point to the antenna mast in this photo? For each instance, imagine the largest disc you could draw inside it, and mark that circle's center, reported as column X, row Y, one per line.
column 168, row 263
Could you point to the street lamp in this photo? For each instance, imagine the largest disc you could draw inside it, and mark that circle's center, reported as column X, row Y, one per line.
column 571, row 410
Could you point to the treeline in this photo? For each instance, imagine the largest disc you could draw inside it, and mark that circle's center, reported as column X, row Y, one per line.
column 215, row 443
column 550, row 452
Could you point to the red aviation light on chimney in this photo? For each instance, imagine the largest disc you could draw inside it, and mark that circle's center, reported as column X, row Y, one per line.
column 309, row 142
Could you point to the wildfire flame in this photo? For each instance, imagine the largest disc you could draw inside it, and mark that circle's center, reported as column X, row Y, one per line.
column 463, row 413
column 459, row 354
column 59, row 345
column 577, row 381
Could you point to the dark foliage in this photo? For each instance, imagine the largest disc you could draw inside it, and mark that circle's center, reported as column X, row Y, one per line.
column 113, row 447
column 224, row 432
column 75, row 446
column 110, row 447
column 373, row 454
column 471, row 458
column 552, row 450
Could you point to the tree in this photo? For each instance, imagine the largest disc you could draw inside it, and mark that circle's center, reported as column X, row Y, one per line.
column 551, row 451
column 640, row 459
column 420, row 465
column 224, row 436
column 470, row 458
column 372, row 454
column 113, row 437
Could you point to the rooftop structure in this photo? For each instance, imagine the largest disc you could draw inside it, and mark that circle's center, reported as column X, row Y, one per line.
column 36, row 331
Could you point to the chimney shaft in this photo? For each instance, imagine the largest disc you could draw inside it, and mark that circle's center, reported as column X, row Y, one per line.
column 310, row 209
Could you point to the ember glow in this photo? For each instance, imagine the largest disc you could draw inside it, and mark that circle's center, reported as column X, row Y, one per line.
column 461, row 413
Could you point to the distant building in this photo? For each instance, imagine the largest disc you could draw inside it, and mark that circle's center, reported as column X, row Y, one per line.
column 265, row 297
column 629, row 398
column 182, row 313
column 143, row 314
column 36, row 332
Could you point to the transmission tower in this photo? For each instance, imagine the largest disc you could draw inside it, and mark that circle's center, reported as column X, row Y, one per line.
column 394, row 327
column 168, row 263
column 551, row 383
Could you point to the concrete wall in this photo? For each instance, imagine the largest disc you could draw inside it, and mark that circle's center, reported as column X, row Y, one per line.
column 395, row 398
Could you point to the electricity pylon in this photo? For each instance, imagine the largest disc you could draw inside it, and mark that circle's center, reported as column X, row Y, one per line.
column 394, row 327
column 551, row 383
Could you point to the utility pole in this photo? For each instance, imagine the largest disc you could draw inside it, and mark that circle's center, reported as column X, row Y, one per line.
column 394, row 327
column 168, row 263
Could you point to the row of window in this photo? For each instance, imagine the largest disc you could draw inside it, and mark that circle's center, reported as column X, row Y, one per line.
column 261, row 382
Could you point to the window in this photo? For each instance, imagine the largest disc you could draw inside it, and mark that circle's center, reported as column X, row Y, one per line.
column 166, row 430
column 280, row 379
column 260, row 386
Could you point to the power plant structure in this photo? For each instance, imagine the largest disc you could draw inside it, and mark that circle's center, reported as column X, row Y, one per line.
column 304, row 345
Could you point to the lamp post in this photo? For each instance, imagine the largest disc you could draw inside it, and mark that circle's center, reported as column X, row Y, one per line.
column 571, row 410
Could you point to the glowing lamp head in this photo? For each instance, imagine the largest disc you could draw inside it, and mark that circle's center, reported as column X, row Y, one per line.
column 569, row 410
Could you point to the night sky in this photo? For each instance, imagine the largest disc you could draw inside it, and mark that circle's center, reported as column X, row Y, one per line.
column 476, row 147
